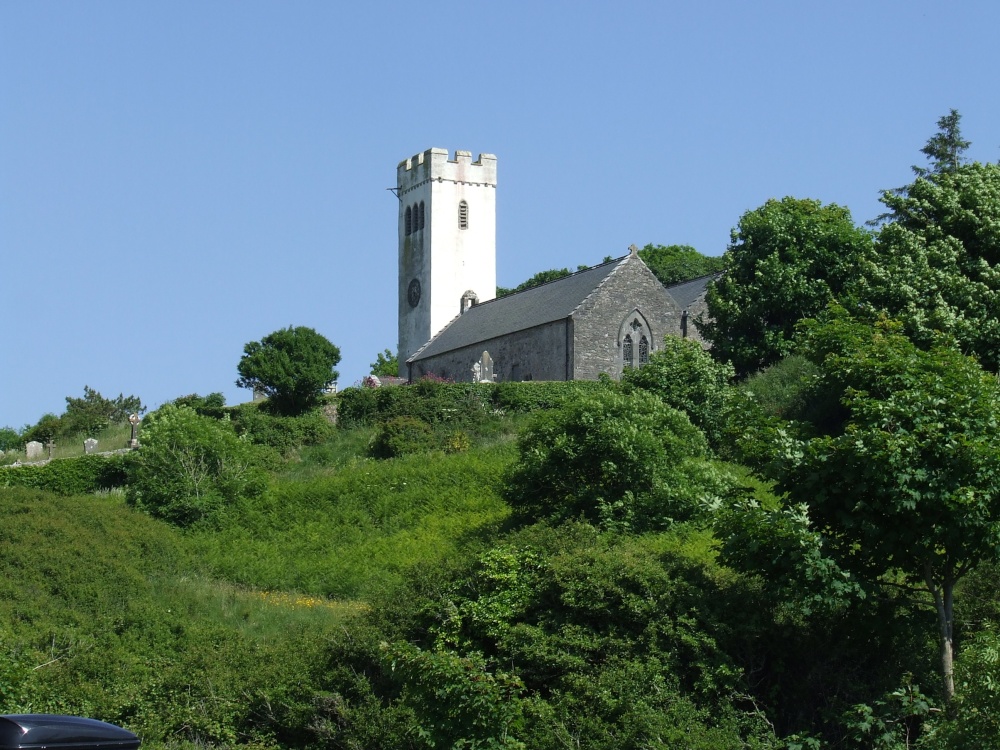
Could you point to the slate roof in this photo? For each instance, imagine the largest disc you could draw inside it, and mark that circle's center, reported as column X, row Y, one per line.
column 549, row 302
column 687, row 292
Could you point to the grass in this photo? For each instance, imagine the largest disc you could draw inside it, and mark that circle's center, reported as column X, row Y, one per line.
column 350, row 532
column 114, row 437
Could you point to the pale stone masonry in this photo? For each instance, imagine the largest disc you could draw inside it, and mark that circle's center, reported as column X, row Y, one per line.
column 574, row 328
column 593, row 322
column 447, row 240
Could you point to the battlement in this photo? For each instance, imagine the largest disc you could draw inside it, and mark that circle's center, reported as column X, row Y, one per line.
column 435, row 164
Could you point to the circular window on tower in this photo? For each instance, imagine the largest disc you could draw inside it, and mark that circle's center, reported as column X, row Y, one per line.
column 413, row 293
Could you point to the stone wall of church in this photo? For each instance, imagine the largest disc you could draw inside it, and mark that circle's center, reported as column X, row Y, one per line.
column 539, row 353
column 598, row 320
column 698, row 308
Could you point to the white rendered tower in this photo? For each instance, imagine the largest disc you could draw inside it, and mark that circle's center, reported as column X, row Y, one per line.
column 447, row 241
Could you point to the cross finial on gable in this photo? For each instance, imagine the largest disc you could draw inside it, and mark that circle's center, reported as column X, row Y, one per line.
column 633, row 250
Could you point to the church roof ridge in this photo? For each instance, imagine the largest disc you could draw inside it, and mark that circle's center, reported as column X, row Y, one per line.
column 545, row 303
column 561, row 278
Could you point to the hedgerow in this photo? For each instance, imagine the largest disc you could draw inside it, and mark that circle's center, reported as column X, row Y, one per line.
column 70, row 476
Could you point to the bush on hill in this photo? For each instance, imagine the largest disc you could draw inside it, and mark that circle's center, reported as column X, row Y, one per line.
column 191, row 467
column 626, row 462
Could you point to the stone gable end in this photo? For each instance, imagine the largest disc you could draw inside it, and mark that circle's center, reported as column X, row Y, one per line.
column 598, row 319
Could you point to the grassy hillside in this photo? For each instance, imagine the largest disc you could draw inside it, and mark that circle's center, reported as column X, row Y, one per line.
column 403, row 603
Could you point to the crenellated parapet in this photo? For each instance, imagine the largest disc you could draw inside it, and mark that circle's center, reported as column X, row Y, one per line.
column 434, row 164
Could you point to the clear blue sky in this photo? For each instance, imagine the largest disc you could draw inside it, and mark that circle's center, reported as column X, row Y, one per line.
column 177, row 179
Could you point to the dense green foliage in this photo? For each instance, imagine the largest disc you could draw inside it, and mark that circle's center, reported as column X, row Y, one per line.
column 936, row 265
column 385, row 364
column 945, row 148
column 454, row 403
column 909, row 484
column 84, row 417
column 619, row 461
column 10, row 438
column 256, row 423
column 190, row 467
column 687, row 378
column 72, row 476
column 673, row 264
column 787, row 260
column 291, row 366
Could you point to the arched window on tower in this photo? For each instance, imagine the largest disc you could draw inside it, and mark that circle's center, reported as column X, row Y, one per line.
column 408, row 222
column 420, row 224
column 463, row 215
column 627, row 351
column 643, row 351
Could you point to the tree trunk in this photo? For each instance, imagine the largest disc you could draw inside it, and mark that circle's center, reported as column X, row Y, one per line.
column 944, row 602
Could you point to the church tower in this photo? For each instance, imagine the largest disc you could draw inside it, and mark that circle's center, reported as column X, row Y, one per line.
column 447, row 241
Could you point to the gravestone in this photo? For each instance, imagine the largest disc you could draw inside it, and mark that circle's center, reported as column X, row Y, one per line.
column 34, row 449
column 485, row 368
column 89, row 445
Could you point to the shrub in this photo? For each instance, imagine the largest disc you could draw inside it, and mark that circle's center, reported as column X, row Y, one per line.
column 687, row 378
column 623, row 461
column 190, row 467
column 468, row 403
column 70, row 476
column 401, row 436
column 283, row 433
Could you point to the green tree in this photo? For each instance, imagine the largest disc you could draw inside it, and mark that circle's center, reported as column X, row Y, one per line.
column 190, row 467
column 94, row 412
column 44, row 430
column 936, row 264
column 673, row 264
column 10, row 438
column 786, row 261
column 686, row 377
column 385, row 364
column 621, row 461
column 945, row 148
column 907, row 488
column 292, row 366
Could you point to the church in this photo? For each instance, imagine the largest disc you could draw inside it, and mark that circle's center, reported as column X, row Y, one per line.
column 598, row 320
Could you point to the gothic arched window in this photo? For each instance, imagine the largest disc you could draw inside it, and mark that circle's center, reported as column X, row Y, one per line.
column 634, row 333
column 463, row 215
column 420, row 224
column 408, row 222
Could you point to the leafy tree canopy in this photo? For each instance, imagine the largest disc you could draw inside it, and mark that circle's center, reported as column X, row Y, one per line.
column 93, row 412
column 386, row 364
column 787, row 260
column 686, row 377
column 292, row 366
column 936, row 264
column 10, row 438
column 620, row 461
column 909, row 483
column 673, row 264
